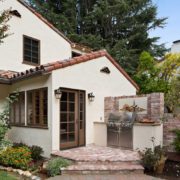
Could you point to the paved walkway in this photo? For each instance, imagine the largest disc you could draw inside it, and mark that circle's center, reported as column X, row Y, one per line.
column 92, row 153
column 104, row 177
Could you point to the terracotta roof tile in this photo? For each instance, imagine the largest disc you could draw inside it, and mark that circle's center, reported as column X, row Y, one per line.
column 46, row 68
column 7, row 74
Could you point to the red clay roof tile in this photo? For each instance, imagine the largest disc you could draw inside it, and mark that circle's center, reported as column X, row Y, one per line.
column 62, row 64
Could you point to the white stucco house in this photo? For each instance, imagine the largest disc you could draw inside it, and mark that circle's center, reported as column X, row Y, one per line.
column 40, row 62
column 175, row 48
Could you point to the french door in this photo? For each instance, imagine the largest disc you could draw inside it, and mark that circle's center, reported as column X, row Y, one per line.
column 72, row 119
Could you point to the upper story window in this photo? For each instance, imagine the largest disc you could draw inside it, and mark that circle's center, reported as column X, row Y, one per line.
column 31, row 51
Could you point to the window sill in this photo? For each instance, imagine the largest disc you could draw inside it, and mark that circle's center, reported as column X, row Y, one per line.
column 31, row 64
column 35, row 127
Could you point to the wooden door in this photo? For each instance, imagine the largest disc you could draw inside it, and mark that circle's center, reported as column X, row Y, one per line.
column 72, row 119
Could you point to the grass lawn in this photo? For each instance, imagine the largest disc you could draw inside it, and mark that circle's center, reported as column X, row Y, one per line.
column 7, row 176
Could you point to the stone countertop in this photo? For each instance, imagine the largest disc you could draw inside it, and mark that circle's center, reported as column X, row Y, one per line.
column 147, row 124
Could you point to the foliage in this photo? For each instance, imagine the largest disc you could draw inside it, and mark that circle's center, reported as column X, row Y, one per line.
column 150, row 158
column 18, row 157
column 4, row 18
column 5, row 176
column 21, row 144
column 170, row 66
column 172, row 98
column 149, row 75
column 36, row 152
column 119, row 26
column 4, row 144
column 54, row 165
column 4, row 117
column 176, row 142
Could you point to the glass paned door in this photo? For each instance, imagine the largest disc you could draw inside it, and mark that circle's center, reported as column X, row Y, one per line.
column 72, row 119
column 68, row 119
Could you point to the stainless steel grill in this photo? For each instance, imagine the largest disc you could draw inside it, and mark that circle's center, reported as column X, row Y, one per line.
column 120, row 130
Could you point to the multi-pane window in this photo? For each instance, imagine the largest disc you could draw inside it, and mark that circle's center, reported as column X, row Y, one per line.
column 31, row 48
column 17, row 110
column 37, row 110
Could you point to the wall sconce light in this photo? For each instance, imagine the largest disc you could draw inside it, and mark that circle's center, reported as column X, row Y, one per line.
column 91, row 97
column 58, row 93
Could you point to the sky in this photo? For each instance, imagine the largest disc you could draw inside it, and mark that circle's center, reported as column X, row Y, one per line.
column 171, row 31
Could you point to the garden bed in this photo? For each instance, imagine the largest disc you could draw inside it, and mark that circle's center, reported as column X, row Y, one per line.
column 171, row 171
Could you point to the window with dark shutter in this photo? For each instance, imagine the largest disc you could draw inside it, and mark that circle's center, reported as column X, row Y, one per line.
column 31, row 48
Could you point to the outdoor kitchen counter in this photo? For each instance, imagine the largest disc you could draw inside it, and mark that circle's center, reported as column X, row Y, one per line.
column 143, row 134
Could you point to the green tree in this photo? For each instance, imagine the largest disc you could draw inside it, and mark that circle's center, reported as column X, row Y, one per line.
column 154, row 76
column 172, row 98
column 120, row 26
column 149, row 75
column 4, row 18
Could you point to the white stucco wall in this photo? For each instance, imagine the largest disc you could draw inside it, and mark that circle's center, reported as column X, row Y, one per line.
column 143, row 133
column 100, row 133
column 34, row 136
column 53, row 46
column 175, row 48
column 87, row 76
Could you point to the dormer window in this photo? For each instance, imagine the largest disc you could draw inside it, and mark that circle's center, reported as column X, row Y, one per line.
column 31, row 48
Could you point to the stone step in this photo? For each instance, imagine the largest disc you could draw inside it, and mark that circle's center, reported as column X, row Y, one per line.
column 108, row 162
column 102, row 169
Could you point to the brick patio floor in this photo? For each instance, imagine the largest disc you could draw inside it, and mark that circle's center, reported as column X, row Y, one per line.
column 104, row 177
column 92, row 153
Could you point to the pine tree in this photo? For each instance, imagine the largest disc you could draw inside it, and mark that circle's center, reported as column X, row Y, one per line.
column 120, row 26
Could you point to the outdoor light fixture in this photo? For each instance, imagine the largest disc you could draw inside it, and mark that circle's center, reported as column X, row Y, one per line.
column 91, row 97
column 58, row 93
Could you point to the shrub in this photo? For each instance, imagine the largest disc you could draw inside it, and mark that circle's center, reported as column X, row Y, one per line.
column 5, row 144
column 36, row 152
column 18, row 157
column 4, row 120
column 176, row 142
column 21, row 144
column 151, row 158
column 54, row 165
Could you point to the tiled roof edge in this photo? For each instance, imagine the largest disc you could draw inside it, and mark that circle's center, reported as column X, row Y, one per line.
column 49, row 67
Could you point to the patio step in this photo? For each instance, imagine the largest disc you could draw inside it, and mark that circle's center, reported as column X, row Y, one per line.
column 90, row 168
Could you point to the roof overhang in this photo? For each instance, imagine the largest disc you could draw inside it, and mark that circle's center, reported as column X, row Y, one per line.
column 49, row 67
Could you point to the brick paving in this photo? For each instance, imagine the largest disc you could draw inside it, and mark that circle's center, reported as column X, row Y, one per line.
column 105, row 177
column 97, row 160
column 92, row 153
